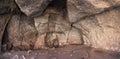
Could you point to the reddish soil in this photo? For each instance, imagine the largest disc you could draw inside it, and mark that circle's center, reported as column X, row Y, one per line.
column 67, row 52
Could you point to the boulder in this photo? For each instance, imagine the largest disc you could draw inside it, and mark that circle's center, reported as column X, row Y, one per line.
column 32, row 7
column 102, row 30
column 78, row 9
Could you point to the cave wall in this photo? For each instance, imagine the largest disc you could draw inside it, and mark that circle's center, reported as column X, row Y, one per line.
column 39, row 24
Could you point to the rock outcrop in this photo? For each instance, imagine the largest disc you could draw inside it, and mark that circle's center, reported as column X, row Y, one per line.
column 37, row 24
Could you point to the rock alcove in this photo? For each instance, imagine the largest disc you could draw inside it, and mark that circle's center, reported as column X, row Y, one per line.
column 37, row 24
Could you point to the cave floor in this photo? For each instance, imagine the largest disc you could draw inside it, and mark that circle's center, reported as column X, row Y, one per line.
column 66, row 52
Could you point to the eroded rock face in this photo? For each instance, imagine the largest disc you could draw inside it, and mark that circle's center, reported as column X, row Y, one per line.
column 4, row 19
column 101, row 30
column 32, row 7
column 21, row 33
column 98, row 21
column 84, row 8
column 52, row 27
column 55, row 23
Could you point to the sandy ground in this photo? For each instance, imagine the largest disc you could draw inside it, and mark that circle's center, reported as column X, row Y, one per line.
column 67, row 52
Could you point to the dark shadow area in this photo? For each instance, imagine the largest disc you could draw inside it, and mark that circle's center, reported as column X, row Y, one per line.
column 59, row 4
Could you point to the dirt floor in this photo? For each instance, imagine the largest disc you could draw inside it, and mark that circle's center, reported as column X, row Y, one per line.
column 67, row 52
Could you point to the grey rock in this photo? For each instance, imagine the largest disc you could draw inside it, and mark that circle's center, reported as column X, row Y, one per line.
column 32, row 7
column 4, row 19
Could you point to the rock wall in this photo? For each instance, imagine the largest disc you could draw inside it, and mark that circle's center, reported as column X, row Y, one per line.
column 37, row 24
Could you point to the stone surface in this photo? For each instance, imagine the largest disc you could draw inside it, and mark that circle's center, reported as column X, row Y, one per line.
column 52, row 27
column 102, row 30
column 83, row 8
column 37, row 24
column 12, row 35
column 32, row 7
column 21, row 33
column 75, row 36
column 4, row 19
column 28, row 32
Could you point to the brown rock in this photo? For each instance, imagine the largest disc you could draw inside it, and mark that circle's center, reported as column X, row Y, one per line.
column 78, row 9
column 21, row 32
column 54, row 24
column 63, row 37
column 102, row 30
column 51, row 40
column 40, row 42
column 13, row 32
column 28, row 32
column 75, row 36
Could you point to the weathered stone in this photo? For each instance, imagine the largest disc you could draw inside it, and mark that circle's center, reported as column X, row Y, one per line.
column 51, row 40
column 78, row 9
column 28, row 32
column 75, row 36
column 91, row 22
column 51, row 23
column 13, row 32
column 4, row 19
column 102, row 30
column 40, row 42
column 32, row 7
column 21, row 32
column 63, row 38
column 41, row 24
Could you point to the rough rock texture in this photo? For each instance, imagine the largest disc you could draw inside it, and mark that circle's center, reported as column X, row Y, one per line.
column 75, row 37
column 36, row 24
column 31, row 7
column 20, row 33
column 99, row 24
column 52, row 26
column 100, row 33
column 78, row 9
column 4, row 19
